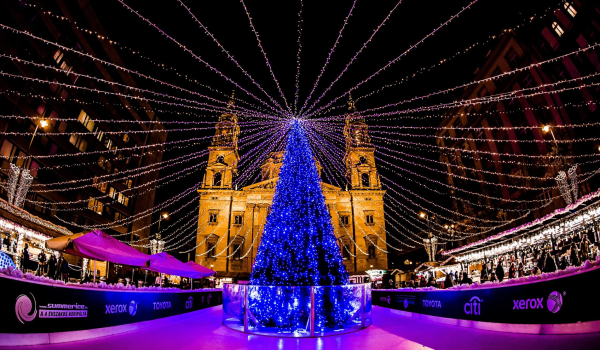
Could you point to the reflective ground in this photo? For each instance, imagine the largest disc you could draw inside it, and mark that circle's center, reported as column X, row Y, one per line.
column 389, row 331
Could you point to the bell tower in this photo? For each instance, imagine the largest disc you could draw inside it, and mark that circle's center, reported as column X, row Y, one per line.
column 223, row 154
column 361, row 171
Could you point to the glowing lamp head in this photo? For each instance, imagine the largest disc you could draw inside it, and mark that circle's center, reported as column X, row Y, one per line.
column 446, row 227
column 44, row 123
column 422, row 215
column 165, row 215
column 546, row 128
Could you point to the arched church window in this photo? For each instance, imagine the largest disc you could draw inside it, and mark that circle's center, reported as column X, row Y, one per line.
column 365, row 180
column 217, row 179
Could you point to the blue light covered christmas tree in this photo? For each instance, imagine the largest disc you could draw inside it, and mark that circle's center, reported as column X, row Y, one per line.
column 298, row 246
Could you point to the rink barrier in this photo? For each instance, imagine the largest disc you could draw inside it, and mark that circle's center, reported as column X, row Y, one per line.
column 40, row 313
column 561, row 305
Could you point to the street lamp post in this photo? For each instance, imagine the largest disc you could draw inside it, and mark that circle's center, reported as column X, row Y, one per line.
column 43, row 123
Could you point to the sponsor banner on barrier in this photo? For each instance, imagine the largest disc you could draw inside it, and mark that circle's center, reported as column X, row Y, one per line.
column 39, row 308
column 568, row 299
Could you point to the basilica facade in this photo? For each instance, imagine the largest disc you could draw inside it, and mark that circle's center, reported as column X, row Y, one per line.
column 231, row 220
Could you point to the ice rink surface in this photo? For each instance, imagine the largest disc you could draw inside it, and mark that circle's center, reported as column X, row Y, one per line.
column 203, row 330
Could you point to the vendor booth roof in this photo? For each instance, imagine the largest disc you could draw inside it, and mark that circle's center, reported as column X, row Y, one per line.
column 165, row 263
column 204, row 271
column 100, row 246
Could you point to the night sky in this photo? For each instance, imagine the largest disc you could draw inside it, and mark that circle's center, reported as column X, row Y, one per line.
column 277, row 24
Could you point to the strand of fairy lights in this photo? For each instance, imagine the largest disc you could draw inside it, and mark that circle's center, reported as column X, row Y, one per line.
column 498, row 76
column 338, row 168
column 297, row 85
column 265, row 56
column 112, row 84
column 375, row 31
column 198, row 58
column 447, row 22
column 263, row 133
column 132, row 51
column 424, row 199
column 460, row 166
column 80, row 53
column 337, row 40
column 441, row 62
column 226, row 52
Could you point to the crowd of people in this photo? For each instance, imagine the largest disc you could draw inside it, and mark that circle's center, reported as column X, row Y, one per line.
column 570, row 251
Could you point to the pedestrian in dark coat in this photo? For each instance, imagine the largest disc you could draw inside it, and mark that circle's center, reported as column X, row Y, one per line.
column 550, row 265
column 25, row 261
column 52, row 266
column 484, row 273
column 512, row 271
column 500, row 271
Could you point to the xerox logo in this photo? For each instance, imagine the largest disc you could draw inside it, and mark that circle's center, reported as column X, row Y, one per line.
column 25, row 309
column 189, row 303
column 473, row 306
column 386, row 299
column 121, row 308
column 432, row 303
column 525, row 304
column 554, row 302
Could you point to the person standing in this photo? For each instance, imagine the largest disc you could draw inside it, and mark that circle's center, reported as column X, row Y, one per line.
column 52, row 266
column 484, row 272
column 25, row 258
column 448, row 282
column 500, row 271
column 41, row 270
column 512, row 271
column 521, row 270
column 466, row 279
column 6, row 241
column 63, row 268
column 550, row 265
column 574, row 255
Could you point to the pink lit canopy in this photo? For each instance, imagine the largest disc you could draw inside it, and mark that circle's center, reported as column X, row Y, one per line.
column 100, row 246
column 165, row 263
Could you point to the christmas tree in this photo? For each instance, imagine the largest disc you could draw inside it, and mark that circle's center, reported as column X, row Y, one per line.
column 298, row 246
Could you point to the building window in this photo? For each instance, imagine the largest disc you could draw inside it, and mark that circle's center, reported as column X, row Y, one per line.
column 237, row 220
column 123, row 199
column 210, row 248
column 371, row 251
column 345, row 252
column 369, row 220
column 558, row 29
column 365, row 180
column 344, row 220
column 79, row 142
column 125, row 138
column 570, row 9
column 95, row 205
column 101, row 186
column 217, row 179
column 85, row 119
column 212, row 217
column 237, row 252
column 221, row 159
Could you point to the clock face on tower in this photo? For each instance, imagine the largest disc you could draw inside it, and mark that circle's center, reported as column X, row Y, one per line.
column 362, row 160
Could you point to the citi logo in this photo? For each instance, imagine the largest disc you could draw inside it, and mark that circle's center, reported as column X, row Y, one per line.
column 386, row 299
column 161, row 305
column 473, row 306
column 189, row 303
column 25, row 309
column 524, row 304
column 131, row 308
column 432, row 303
